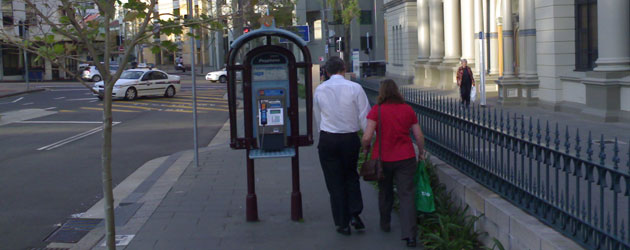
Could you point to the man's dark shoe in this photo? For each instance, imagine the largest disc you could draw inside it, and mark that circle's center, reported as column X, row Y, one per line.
column 357, row 223
column 411, row 242
column 344, row 230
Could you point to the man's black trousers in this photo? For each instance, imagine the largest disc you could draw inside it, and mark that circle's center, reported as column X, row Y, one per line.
column 338, row 155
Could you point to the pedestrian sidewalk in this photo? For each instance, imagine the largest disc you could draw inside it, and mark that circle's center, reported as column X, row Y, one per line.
column 205, row 208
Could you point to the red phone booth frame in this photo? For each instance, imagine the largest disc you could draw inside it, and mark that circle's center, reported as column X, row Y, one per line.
column 249, row 141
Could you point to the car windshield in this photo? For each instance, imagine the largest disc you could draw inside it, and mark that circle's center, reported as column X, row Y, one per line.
column 131, row 75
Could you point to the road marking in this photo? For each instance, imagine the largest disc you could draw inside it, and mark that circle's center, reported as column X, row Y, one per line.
column 134, row 107
column 66, row 111
column 81, row 99
column 60, row 90
column 59, row 98
column 28, row 103
column 50, row 108
column 183, row 102
column 63, row 122
column 201, row 97
column 17, row 100
column 116, row 110
column 74, row 138
column 93, row 101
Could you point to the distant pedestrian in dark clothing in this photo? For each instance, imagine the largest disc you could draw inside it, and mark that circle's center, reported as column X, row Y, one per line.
column 465, row 81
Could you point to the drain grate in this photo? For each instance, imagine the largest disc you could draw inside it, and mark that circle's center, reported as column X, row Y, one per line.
column 73, row 230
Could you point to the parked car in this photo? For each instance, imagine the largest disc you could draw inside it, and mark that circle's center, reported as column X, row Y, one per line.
column 91, row 73
column 134, row 83
column 221, row 76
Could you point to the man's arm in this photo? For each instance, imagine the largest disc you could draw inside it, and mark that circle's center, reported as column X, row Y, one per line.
column 317, row 113
column 363, row 106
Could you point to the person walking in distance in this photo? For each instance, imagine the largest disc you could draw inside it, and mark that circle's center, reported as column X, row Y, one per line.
column 394, row 118
column 465, row 81
column 341, row 107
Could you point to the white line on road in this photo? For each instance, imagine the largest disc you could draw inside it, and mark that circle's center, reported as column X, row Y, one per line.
column 81, row 99
column 50, row 108
column 28, row 103
column 63, row 122
column 59, row 98
column 59, row 90
column 17, row 100
column 74, row 138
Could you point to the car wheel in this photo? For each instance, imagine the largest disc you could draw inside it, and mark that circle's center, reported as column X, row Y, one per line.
column 170, row 91
column 96, row 78
column 131, row 94
column 223, row 79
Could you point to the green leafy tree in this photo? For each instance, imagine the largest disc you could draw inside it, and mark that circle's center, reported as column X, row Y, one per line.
column 60, row 27
column 346, row 11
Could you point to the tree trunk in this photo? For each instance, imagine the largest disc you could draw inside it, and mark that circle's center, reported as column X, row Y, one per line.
column 347, row 48
column 106, row 162
column 106, row 157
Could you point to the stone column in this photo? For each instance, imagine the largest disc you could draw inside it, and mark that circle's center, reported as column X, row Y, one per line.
column 478, row 25
column 527, row 36
column 452, row 39
column 424, row 43
column 494, row 42
column 437, row 31
column 508, row 40
column 613, row 18
column 468, row 31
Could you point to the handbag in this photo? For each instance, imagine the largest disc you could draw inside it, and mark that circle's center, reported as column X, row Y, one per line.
column 372, row 169
column 473, row 93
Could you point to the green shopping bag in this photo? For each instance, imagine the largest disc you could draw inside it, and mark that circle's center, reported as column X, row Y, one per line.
column 424, row 193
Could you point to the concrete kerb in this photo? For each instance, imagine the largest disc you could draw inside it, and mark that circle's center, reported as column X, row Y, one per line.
column 151, row 199
column 22, row 92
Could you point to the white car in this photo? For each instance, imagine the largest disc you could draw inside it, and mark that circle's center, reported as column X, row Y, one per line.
column 134, row 83
column 221, row 76
column 91, row 73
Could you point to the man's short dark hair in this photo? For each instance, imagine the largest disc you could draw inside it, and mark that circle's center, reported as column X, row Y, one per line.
column 335, row 65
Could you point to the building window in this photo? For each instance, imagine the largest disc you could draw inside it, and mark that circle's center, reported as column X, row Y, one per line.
column 12, row 63
column 366, row 17
column 7, row 13
column 366, row 42
column 585, row 34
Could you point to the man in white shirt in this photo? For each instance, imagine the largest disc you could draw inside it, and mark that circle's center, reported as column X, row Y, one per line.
column 341, row 108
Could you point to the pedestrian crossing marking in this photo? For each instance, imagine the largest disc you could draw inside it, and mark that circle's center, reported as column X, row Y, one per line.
column 203, row 97
column 134, row 107
column 115, row 110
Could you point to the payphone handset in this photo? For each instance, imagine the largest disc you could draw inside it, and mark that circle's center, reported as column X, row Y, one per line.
column 271, row 118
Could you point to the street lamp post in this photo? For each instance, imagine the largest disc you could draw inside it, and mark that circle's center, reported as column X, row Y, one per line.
column 194, row 85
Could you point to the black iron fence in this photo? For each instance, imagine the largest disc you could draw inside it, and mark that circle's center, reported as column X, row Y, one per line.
column 561, row 181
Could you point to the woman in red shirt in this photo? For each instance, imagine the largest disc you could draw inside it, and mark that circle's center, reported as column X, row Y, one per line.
column 398, row 156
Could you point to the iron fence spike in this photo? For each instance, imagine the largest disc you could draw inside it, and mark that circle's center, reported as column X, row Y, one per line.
column 602, row 150
column 538, row 135
column 595, row 218
column 589, row 147
column 547, row 136
column 496, row 122
column 567, row 143
column 515, row 126
column 573, row 205
column 628, row 165
column 556, row 142
column 616, row 155
column 522, row 126
column 530, row 132
column 578, row 148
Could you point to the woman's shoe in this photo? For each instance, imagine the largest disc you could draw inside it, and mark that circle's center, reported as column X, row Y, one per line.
column 411, row 242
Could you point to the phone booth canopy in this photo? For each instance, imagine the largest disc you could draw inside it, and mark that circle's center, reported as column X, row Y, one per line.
column 271, row 113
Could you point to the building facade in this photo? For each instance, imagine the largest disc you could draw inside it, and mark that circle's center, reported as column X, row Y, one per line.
column 571, row 55
column 367, row 32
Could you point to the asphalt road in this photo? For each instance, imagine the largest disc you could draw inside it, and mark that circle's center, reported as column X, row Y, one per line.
column 50, row 166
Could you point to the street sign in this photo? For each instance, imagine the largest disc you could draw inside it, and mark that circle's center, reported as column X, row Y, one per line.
column 301, row 30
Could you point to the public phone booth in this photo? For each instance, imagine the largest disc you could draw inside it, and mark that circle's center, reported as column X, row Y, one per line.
column 271, row 113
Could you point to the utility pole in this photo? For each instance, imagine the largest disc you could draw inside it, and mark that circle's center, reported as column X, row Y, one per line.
column 194, row 84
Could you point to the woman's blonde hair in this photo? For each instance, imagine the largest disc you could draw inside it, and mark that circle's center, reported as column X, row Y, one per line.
column 388, row 93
